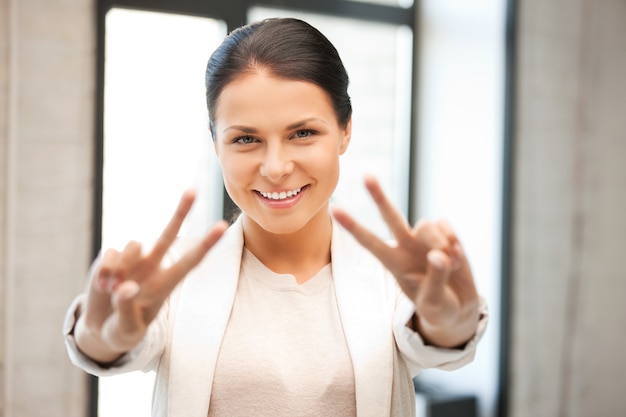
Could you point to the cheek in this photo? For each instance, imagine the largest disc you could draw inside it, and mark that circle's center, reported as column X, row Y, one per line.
column 324, row 165
column 325, row 158
column 233, row 170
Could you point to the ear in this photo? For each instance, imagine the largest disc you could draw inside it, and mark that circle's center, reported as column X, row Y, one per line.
column 347, row 135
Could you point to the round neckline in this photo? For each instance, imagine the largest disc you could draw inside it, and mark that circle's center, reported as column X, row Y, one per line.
column 259, row 272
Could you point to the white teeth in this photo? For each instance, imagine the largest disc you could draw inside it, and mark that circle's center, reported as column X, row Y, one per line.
column 282, row 195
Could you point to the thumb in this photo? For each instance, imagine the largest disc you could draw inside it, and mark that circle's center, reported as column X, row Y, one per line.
column 439, row 268
column 124, row 303
column 432, row 304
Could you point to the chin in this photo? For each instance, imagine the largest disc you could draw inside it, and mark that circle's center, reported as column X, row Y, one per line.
column 278, row 226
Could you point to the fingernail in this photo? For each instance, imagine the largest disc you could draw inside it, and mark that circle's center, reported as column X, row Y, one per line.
column 436, row 259
column 111, row 283
column 130, row 289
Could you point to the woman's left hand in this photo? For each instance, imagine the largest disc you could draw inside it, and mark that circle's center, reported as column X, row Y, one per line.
column 428, row 262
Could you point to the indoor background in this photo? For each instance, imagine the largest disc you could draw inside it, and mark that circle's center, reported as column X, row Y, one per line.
column 504, row 117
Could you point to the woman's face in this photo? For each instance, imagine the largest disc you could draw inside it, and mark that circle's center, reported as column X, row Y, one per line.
column 278, row 142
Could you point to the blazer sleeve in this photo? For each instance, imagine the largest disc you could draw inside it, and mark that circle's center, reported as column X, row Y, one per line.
column 419, row 355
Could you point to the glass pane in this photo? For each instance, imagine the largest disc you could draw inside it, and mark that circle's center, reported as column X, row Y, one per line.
column 460, row 157
column 156, row 144
column 380, row 87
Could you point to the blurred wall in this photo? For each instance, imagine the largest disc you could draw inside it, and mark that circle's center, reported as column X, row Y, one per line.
column 47, row 62
column 569, row 281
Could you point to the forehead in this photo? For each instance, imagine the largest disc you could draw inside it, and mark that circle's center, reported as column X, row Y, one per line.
column 260, row 96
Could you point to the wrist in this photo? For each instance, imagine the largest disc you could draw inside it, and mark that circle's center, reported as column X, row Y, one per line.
column 91, row 344
column 451, row 335
column 448, row 338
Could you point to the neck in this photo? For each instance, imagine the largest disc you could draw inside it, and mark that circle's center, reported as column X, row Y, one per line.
column 301, row 253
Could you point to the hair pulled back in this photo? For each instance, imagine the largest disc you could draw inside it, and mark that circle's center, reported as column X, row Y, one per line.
column 287, row 48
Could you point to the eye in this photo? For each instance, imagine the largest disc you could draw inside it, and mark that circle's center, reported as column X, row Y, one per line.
column 303, row 133
column 244, row 140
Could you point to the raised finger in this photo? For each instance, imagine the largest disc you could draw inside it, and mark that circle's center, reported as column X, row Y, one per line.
column 190, row 259
column 391, row 215
column 171, row 230
column 366, row 238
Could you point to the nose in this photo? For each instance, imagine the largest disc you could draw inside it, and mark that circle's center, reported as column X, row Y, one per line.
column 277, row 163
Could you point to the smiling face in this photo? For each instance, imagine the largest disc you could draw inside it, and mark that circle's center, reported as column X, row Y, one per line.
column 278, row 142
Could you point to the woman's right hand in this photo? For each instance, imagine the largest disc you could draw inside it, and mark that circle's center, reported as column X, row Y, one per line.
column 126, row 289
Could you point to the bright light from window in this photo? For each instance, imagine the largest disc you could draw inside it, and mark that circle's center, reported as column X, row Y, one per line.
column 156, row 145
column 460, row 157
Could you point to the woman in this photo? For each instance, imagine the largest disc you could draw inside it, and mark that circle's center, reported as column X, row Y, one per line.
column 295, row 309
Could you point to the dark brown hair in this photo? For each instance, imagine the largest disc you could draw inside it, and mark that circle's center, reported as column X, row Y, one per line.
column 287, row 48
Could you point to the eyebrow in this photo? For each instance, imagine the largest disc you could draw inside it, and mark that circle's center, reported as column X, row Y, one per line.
column 304, row 122
column 247, row 129
column 244, row 129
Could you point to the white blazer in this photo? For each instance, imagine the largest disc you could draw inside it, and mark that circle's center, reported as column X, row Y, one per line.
column 183, row 342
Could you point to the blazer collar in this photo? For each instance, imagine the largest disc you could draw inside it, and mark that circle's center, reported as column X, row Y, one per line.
column 202, row 313
column 366, row 318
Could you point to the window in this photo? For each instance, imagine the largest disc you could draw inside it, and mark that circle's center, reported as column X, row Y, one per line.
column 154, row 123
column 459, row 169
column 156, row 144
column 156, row 140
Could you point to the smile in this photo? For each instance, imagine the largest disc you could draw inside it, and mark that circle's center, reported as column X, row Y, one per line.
column 280, row 195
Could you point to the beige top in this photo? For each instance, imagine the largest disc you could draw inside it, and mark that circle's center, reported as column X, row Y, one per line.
column 284, row 352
